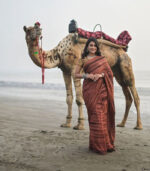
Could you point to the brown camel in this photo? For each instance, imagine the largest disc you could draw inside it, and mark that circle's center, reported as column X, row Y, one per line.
column 65, row 56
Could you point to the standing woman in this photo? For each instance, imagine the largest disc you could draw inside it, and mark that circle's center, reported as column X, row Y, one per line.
column 98, row 94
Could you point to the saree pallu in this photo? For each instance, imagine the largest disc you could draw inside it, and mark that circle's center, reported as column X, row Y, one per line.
column 99, row 100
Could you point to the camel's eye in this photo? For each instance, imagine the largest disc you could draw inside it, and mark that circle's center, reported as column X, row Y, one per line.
column 27, row 31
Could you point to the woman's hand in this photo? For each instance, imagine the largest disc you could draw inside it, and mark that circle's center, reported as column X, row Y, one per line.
column 90, row 76
column 95, row 77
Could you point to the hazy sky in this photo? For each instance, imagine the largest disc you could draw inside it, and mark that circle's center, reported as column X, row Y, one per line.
column 55, row 15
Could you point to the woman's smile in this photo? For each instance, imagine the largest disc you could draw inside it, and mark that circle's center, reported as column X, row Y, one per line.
column 92, row 48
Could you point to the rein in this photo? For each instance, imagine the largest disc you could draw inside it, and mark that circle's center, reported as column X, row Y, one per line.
column 41, row 55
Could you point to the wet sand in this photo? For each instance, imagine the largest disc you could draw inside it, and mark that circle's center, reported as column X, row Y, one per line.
column 31, row 138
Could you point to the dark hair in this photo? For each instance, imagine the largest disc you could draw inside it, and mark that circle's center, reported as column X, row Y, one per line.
column 85, row 51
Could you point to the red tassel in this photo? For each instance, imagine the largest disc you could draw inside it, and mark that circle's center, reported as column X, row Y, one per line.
column 43, row 70
column 42, row 78
column 41, row 55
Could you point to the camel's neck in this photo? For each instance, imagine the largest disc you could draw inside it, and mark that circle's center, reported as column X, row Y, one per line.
column 51, row 58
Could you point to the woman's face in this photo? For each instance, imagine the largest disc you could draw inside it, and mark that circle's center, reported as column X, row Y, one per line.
column 92, row 48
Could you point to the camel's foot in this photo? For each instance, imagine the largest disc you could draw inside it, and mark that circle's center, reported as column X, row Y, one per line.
column 68, row 122
column 79, row 127
column 138, row 127
column 121, row 125
column 66, row 125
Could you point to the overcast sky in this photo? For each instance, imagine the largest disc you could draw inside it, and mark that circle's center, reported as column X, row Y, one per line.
column 55, row 15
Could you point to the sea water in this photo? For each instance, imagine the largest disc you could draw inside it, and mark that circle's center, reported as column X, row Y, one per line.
column 54, row 82
column 55, row 77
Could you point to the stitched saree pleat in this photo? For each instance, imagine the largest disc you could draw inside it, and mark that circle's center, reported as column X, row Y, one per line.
column 99, row 100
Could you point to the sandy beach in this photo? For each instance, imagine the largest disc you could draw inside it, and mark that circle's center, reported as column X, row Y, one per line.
column 31, row 138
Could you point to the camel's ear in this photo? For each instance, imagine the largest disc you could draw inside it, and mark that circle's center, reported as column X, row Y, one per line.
column 25, row 28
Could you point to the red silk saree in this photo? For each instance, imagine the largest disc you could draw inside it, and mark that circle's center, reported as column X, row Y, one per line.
column 99, row 100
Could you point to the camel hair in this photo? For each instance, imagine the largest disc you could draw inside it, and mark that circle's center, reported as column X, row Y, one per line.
column 65, row 56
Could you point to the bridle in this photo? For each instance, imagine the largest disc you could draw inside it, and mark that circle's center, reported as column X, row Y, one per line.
column 41, row 55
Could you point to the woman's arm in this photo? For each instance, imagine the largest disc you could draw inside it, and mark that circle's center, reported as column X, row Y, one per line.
column 77, row 73
column 83, row 75
column 93, row 77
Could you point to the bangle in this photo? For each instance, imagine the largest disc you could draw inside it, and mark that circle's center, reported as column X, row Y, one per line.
column 84, row 76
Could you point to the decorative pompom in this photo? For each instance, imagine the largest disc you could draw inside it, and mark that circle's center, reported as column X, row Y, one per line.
column 37, row 23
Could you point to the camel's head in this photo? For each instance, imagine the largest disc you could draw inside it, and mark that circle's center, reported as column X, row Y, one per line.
column 33, row 33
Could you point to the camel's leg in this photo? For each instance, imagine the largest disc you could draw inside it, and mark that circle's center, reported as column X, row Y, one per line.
column 128, row 77
column 129, row 100
column 69, row 99
column 127, row 95
column 137, row 105
column 79, row 101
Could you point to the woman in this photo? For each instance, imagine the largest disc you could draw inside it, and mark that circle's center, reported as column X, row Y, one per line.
column 98, row 96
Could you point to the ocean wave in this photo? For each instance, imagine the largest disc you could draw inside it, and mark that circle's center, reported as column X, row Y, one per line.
column 55, row 86
column 28, row 88
column 52, row 86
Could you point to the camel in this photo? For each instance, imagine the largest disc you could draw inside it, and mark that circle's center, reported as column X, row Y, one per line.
column 65, row 56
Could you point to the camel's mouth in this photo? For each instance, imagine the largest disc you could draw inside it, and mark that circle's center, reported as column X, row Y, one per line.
column 33, row 32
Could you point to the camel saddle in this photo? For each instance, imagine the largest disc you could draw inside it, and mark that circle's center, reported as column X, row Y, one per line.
column 122, row 40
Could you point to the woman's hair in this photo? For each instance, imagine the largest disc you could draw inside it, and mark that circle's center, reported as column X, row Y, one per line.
column 85, row 51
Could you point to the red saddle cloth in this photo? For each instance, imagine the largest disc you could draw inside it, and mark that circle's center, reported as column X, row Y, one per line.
column 123, row 39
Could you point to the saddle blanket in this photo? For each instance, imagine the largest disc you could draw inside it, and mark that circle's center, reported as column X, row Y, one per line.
column 123, row 39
